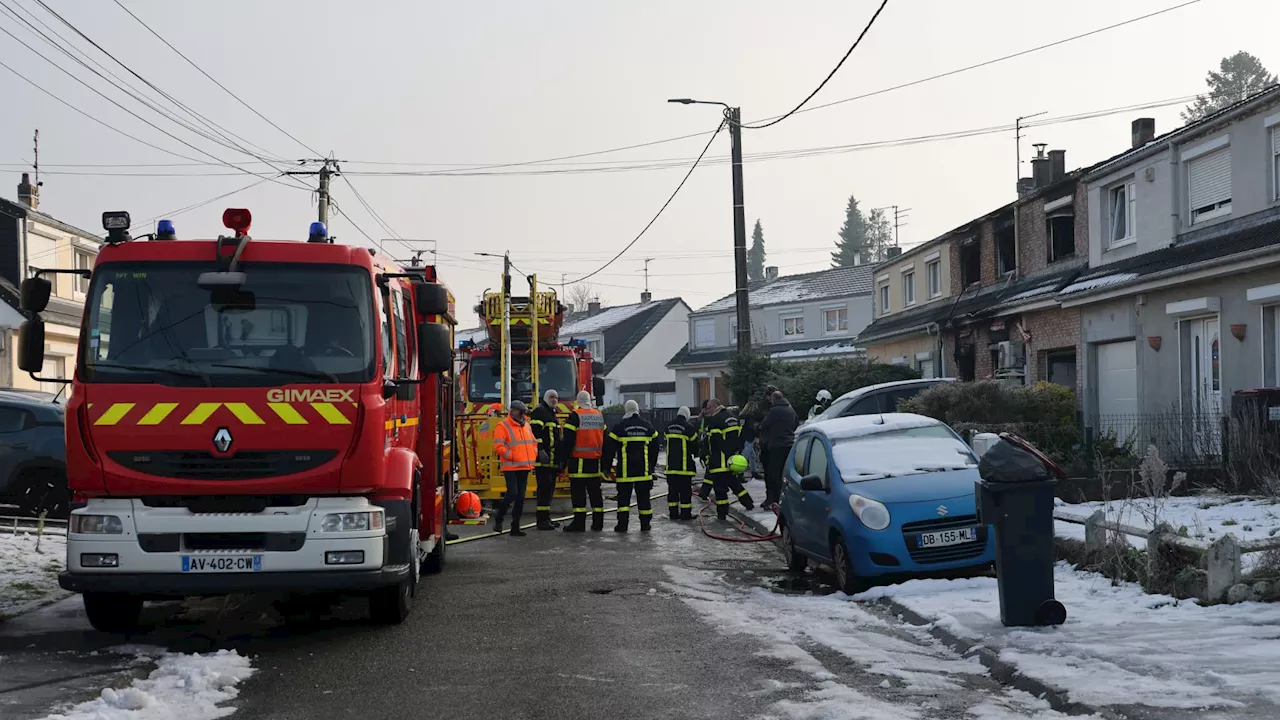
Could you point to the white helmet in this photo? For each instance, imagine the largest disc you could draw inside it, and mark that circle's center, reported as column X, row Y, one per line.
column 824, row 395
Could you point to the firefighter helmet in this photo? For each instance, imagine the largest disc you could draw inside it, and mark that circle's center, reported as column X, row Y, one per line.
column 737, row 464
column 469, row 505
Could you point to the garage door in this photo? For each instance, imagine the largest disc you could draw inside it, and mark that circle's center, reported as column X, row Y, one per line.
column 1118, row 387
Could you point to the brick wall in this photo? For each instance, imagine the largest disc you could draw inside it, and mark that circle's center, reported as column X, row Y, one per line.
column 1033, row 230
column 1055, row 329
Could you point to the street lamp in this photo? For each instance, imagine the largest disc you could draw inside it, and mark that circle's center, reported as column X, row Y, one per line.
column 733, row 116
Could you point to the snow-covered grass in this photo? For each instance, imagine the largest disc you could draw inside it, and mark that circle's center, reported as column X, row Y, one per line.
column 1119, row 645
column 190, row 687
column 29, row 579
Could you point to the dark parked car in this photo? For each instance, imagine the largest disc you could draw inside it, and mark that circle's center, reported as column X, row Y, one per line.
column 33, row 465
column 875, row 399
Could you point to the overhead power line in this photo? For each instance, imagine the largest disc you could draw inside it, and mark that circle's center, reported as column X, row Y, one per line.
column 660, row 210
column 237, row 98
column 825, row 80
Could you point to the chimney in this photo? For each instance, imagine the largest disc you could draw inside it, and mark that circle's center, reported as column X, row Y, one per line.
column 1057, row 165
column 593, row 308
column 28, row 194
column 646, row 297
column 568, row 309
column 771, row 272
column 1144, row 131
column 892, row 251
column 1026, row 186
column 1040, row 169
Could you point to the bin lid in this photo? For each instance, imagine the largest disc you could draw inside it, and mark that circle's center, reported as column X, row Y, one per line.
column 1013, row 460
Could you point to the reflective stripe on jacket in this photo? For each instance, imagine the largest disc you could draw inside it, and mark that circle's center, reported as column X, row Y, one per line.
column 635, row 444
column 681, row 440
column 546, row 429
column 515, row 445
column 722, row 441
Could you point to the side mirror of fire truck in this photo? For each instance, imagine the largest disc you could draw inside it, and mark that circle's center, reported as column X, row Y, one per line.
column 597, row 367
column 31, row 345
column 431, row 298
column 435, row 348
column 34, row 294
column 597, row 389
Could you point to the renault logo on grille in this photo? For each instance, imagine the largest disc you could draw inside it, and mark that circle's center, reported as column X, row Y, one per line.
column 222, row 440
column 942, row 509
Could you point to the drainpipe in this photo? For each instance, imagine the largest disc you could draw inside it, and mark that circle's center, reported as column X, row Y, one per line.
column 1173, row 193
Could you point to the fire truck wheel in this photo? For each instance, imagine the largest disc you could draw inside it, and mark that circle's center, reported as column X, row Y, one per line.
column 391, row 605
column 433, row 564
column 112, row 612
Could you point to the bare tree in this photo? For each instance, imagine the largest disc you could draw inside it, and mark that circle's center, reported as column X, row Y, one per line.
column 580, row 294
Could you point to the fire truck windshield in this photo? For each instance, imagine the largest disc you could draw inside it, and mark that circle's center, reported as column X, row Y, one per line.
column 555, row 372
column 152, row 323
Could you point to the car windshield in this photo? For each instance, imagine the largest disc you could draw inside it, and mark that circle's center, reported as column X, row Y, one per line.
column 905, row 451
column 555, row 372
column 153, row 323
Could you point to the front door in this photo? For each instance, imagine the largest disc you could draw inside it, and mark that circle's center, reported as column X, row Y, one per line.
column 1206, row 383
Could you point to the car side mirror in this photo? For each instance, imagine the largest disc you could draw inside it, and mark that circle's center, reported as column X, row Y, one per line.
column 813, row 483
column 31, row 344
column 435, row 351
column 34, row 294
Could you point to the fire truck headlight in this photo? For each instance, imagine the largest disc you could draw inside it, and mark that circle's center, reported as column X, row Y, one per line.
column 96, row 525
column 352, row 522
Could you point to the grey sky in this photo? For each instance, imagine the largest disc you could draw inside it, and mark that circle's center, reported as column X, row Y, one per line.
column 498, row 82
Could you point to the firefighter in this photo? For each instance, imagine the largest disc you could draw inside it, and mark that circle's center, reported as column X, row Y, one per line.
column 722, row 434
column 517, row 451
column 546, row 428
column 580, row 447
column 822, row 401
column 682, row 441
column 634, row 444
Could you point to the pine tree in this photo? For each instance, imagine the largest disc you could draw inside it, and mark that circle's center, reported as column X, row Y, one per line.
column 854, row 245
column 1239, row 76
column 755, row 255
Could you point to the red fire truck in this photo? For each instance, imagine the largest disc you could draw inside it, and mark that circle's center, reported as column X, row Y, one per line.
column 252, row 416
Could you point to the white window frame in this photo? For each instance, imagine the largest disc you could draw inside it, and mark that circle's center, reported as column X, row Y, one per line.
column 909, row 288
column 797, row 319
column 884, row 298
column 596, row 348
column 933, row 278
column 711, row 338
column 1129, row 188
column 836, row 309
column 1221, row 208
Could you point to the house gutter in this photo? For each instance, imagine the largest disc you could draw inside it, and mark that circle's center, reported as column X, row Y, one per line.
column 1159, row 280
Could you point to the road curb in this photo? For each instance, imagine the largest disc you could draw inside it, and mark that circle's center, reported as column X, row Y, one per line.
column 1005, row 673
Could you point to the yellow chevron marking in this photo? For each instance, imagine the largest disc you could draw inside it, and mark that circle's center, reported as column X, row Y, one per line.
column 330, row 413
column 157, row 414
column 287, row 413
column 114, row 414
column 201, row 413
column 244, row 413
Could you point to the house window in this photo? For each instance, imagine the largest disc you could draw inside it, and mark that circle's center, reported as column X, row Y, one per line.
column 971, row 262
column 1061, row 229
column 793, row 326
column 933, row 271
column 733, row 330
column 909, row 288
column 1121, row 209
column 1209, row 185
column 54, row 367
column 1275, row 161
column 836, row 320
column 1006, row 250
column 84, row 261
column 884, row 299
column 704, row 332
column 596, row 347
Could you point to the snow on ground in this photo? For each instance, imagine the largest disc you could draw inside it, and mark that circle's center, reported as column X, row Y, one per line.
column 190, row 687
column 858, row 665
column 1205, row 517
column 29, row 579
column 1119, row 646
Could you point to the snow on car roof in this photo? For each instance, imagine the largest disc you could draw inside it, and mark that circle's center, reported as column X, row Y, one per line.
column 859, row 392
column 863, row 425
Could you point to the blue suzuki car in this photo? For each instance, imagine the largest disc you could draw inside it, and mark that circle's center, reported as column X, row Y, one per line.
column 878, row 495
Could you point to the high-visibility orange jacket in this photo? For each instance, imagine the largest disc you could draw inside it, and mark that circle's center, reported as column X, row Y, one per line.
column 515, row 445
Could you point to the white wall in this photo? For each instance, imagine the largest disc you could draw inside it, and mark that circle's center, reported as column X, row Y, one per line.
column 767, row 325
column 647, row 361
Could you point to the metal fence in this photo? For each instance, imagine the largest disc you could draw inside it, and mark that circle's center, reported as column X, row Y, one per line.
column 658, row 417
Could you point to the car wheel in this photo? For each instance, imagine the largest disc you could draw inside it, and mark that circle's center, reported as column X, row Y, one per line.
column 112, row 612
column 795, row 561
column 846, row 579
